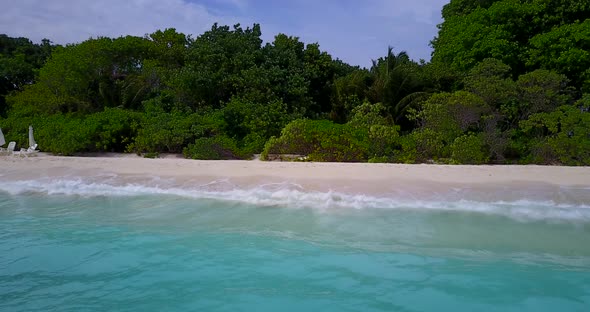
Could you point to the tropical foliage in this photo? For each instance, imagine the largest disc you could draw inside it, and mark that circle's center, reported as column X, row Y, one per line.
column 509, row 82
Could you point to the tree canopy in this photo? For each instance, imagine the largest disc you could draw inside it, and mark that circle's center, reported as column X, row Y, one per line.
column 508, row 83
column 526, row 35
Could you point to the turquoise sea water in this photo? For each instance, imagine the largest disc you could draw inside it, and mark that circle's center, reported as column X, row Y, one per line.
column 149, row 251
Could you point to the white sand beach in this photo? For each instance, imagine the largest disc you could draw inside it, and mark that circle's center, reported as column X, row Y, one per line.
column 357, row 177
column 128, row 164
column 520, row 192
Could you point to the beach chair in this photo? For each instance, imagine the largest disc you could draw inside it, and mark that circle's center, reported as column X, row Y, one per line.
column 2, row 142
column 32, row 149
column 9, row 149
column 27, row 152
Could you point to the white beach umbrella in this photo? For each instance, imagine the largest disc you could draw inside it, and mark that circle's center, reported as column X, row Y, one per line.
column 2, row 140
column 31, row 138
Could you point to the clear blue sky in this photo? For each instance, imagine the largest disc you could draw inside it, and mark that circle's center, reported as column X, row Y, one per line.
column 354, row 31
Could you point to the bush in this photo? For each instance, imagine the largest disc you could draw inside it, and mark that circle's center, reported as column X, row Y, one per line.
column 469, row 149
column 562, row 136
column 408, row 154
column 383, row 134
column 321, row 140
column 112, row 129
column 57, row 133
column 420, row 146
column 165, row 132
column 298, row 137
column 379, row 160
column 271, row 146
column 251, row 124
column 151, row 155
column 17, row 129
column 36, row 100
column 540, row 153
column 214, row 148
column 367, row 115
column 64, row 135
column 450, row 115
column 383, row 140
column 341, row 143
column 253, row 143
column 560, row 150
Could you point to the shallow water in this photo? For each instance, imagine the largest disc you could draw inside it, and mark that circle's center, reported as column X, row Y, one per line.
column 75, row 247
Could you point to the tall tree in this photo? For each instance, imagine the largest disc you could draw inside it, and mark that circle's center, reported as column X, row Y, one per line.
column 396, row 83
column 284, row 61
column 94, row 74
column 526, row 35
column 215, row 62
column 20, row 59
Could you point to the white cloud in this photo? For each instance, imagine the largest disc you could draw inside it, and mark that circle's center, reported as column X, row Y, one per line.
column 240, row 4
column 68, row 21
column 354, row 31
column 421, row 11
column 357, row 32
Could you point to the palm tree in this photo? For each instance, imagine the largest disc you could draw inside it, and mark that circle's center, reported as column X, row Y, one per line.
column 396, row 83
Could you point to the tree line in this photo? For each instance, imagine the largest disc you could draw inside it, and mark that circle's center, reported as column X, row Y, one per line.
column 509, row 82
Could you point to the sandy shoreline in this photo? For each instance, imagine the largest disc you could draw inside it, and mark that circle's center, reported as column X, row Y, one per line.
column 332, row 175
column 126, row 164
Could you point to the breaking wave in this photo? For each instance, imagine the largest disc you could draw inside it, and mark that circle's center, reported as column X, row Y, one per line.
column 296, row 196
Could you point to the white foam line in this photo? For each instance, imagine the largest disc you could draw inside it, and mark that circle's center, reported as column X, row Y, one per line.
column 294, row 195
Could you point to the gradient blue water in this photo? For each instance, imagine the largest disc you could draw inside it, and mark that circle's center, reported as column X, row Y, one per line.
column 167, row 253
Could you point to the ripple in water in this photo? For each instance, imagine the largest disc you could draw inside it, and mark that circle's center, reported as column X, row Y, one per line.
column 273, row 249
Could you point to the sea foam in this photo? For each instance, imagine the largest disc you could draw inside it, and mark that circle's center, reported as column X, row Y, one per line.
column 294, row 195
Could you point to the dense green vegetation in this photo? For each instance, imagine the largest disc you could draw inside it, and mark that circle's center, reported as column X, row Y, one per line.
column 509, row 82
column 20, row 59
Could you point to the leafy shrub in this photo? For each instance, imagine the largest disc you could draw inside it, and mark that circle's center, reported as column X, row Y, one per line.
column 253, row 143
column 35, row 100
column 341, row 143
column 269, row 147
column 408, row 154
column 561, row 136
column 113, row 129
column 296, row 138
column 383, row 140
column 540, row 153
column 452, row 114
column 17, row 129
column 420, row 146
column 378, row 160
column 497, row 141
column 151, row 155
column 321, row 140
column 252, row 123
column 383, row 135
column 367, row 115
column 64, row 135
column 214, row 148
column 165, row 132
column 469, row 149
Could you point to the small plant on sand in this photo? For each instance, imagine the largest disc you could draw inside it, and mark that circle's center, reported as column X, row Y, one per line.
column 151, row 155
